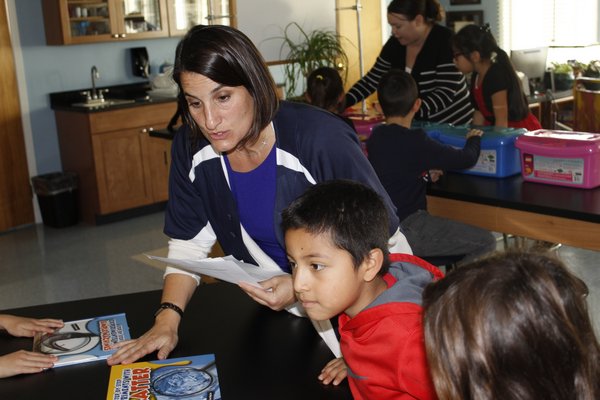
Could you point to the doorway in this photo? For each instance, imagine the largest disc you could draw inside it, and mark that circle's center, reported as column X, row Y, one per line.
column 16, row 207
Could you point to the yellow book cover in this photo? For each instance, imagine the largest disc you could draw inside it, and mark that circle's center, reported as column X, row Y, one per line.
column 190, row 378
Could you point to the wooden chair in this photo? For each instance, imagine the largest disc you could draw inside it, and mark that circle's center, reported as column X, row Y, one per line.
column 586, row 105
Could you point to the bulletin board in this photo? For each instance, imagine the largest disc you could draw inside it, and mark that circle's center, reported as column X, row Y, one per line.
column 264, row 20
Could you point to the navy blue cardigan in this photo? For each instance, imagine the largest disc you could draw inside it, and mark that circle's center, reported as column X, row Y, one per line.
column 313, row 145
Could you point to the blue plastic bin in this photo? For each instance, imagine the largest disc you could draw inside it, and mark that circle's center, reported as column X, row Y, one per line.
column 499, row 157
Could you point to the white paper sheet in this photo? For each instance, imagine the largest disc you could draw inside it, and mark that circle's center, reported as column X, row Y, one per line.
column 224, row 268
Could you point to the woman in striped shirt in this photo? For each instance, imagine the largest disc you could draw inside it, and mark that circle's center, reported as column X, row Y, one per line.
column 422, row 47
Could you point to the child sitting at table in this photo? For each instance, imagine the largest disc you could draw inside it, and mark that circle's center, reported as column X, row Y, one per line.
column 496, row 90
column 325, row 89
column 513, row 326
column 336, row 237
column 22, row 361
column 406, row 159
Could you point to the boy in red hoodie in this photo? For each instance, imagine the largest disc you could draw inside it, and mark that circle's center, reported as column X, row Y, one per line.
column 336, row 237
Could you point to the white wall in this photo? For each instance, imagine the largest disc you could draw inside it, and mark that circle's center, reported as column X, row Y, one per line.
column 264, row 20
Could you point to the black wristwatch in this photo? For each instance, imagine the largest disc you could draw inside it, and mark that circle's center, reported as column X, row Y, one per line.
column 170, row 306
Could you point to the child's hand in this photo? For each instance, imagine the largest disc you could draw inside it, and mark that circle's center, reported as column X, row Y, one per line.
column 334, row 372
column 25, row 362
column 474, row 132
column 27, row 327
column 434, row 174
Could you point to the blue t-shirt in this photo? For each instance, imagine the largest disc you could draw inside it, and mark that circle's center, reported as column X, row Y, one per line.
column 254, row 192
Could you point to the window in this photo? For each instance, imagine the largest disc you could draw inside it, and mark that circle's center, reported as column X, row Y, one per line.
column 533, row 23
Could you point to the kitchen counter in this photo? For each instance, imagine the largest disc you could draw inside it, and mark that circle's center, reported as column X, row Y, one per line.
column 135, row 93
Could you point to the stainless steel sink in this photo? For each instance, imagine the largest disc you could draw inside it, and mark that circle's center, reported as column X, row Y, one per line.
column 101, row 103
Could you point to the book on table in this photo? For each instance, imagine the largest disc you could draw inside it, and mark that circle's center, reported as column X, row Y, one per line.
column 84, row 340
column 190, row 378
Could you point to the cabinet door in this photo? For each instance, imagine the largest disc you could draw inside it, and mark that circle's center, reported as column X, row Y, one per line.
column 89, row 21
column 142, row 19
column 120, row 170
column 184, row 14
column 158, row 155
column 78, row 21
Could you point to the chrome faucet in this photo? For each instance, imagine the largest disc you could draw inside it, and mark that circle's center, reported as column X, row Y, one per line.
column 95, row 75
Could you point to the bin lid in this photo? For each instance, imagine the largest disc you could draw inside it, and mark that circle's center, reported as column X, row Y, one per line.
column 54, row 182
column 567, row 142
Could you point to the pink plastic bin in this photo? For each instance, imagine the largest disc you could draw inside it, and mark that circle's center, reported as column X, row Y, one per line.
column 560, row 158
column 364, row 124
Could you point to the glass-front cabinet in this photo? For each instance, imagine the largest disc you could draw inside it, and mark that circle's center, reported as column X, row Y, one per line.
column 143, row 18
column 183, row 14
column 88, row 21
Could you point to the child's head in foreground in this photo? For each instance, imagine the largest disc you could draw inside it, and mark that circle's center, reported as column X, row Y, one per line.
column 398, row 94
column 325, row 89
column 336, row 237
column 513, row 326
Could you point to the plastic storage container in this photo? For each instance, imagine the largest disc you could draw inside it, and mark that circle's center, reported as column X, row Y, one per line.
column 57, row 197
column 561, row 158
column 499, row 157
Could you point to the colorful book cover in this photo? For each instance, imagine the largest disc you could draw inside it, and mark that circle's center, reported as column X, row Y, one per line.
column 190, row 378
column 84, row 340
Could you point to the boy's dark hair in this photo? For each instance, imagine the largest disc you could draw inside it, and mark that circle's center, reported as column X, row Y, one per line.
column 397, row 93
column 324, row 86
column 512, row 326
column 351, row 213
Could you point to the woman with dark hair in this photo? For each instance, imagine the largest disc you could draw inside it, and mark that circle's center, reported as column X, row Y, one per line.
column 420, row 46
column 496, row 90
column 239, row 159
column 514, row 326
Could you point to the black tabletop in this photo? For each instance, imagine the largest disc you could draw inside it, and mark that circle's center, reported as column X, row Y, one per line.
column 260, row 353
column 513, row 192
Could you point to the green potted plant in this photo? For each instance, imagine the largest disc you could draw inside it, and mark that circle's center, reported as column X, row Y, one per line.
column 307, row 51
column 563, row 76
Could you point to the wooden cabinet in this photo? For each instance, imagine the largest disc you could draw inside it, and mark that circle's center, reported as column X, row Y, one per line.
column 120, row 166
column 184, row 14
column 89, row 21
column 92, row 21
column 159, row 160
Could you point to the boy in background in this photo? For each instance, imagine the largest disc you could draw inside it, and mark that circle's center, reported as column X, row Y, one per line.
column 336, row 237
column 406, row 159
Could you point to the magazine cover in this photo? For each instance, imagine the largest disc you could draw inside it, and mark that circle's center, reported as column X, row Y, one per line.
column 84, row 340
column 190, row 378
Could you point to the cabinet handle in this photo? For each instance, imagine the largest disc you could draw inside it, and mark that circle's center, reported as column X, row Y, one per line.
column 116, row 35
column 144, row 130
column 123, row 35
column 165, row 157
column 151, row 129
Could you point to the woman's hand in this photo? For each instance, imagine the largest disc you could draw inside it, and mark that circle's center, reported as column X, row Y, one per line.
column 27, row 327
column 334, row 372
column 162, row 337
column 25, row 362
column 277, row 293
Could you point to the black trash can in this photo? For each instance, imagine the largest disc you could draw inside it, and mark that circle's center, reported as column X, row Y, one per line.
column 57, row 197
